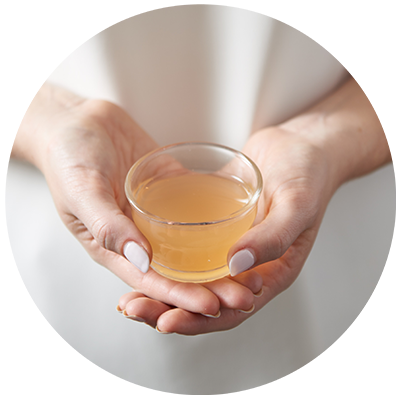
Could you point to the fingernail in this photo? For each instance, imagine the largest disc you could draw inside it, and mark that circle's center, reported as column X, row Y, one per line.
column 241, row 261
column 133, row 317
column 137, row 256
column 119, row 309
column 164, row 333
column 248, row 311
column 260, row 293
column 217, row 315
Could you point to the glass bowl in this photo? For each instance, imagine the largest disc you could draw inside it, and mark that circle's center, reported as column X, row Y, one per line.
column 193, row 201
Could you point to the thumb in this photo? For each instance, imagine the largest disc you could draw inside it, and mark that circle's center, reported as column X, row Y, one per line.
column 112, row 229
column 270, row 239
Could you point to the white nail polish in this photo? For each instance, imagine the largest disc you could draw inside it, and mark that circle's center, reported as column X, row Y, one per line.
column 241, row 261
column 249, row 311
column 137, row 256
column 217, row 315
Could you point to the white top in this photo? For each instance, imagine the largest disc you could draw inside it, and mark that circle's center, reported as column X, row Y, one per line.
column 216, row 74
column 202, row 73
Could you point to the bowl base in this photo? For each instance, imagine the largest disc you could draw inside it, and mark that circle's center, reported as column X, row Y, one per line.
column 190, row 276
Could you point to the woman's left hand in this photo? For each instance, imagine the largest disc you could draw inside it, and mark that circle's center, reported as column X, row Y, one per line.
column 297, row 187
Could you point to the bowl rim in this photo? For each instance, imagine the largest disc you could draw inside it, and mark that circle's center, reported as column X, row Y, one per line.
column 241, row 212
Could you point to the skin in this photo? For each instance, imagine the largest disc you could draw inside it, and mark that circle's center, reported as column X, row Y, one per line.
column 84, row 148
column 303, row 162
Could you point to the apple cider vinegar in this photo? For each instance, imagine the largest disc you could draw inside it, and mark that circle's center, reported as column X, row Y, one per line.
column 193, row 201
column 191, row 220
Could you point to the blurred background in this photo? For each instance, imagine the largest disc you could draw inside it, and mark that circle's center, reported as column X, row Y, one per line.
column 348, row 283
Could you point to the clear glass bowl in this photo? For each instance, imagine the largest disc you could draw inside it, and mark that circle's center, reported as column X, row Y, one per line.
column 193, row 201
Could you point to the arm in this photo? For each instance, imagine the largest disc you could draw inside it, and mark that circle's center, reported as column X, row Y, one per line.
column 48, row 103
column 84, row 148
column 345, row 125
column 303, row 162
column 337, row 140
column 353, row 129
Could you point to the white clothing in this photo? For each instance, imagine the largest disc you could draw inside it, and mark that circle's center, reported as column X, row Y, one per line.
column 214, row 74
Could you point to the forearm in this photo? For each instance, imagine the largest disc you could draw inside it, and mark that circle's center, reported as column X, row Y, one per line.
column 49, row 103
column 347, row 128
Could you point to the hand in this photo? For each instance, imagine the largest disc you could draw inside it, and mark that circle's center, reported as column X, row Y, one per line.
column 85, row 149
column 297, row 188
column 303, row 162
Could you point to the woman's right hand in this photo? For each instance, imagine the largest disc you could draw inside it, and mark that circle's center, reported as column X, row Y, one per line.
column 84, row 149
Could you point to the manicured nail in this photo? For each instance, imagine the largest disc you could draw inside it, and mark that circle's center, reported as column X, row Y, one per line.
column 133, row 317
column 217, row 315
column 248, row 311
column 137, row 256
column 164, row 333
column 241, row 261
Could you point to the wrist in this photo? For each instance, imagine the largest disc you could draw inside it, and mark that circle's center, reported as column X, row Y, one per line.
column 347, row 130
column 37, row 126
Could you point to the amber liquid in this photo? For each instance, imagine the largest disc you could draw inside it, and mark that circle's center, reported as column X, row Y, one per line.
column 209, row 207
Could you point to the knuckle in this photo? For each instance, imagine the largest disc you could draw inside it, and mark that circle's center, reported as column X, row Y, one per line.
column 280, row 243
column 102, row 232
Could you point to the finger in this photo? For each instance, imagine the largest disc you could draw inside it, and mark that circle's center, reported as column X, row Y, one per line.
column 183, row 322
column 143, row 309
column 126, row 298
column 270, row 239
column 231, row 294
column 279, row 274
column 186, row 323
column 110, row 227
column 250, row 279
column 189, row 296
